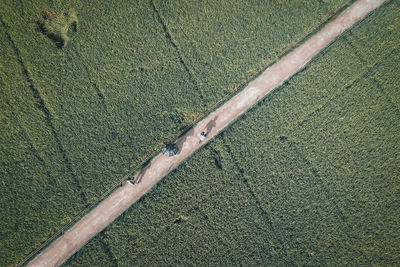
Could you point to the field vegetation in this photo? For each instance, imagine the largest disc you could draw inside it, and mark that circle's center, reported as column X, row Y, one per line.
column 307, row 177
column 83, row 104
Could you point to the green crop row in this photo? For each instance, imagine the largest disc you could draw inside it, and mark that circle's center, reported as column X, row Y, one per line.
column 307, row 177
column 79, row 113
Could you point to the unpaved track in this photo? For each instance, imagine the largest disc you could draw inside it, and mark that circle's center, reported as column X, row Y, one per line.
column 124, row 197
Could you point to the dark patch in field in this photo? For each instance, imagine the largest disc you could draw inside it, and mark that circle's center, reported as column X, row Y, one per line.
column 181, row 219
column 283, row 138
column 217, row 158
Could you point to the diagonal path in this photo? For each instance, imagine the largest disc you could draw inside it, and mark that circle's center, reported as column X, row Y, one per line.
column 108, row 210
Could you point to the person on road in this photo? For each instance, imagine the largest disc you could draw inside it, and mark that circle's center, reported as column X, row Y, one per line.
column 202, row 136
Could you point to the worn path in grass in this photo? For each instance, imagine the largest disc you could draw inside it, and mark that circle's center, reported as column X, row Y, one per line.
column 161, row 165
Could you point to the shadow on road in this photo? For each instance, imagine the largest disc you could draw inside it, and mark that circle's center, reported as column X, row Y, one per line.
column 140, row 175
column 211, row 125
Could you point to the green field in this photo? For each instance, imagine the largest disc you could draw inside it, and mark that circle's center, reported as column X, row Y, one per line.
column 310, row 176
column 79, row 115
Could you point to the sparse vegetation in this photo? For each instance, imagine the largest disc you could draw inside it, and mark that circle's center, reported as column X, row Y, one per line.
column 56, row 26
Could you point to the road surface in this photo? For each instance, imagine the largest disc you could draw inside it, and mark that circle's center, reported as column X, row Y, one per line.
column 109, row 209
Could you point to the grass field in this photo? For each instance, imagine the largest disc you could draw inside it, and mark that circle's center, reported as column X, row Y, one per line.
column 310, row 176
column 78, row 116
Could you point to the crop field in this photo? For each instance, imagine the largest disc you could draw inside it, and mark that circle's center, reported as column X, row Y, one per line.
column 84, row 103
column 310, row 176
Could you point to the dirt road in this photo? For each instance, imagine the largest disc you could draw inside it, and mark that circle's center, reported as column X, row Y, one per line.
column 124, row 197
